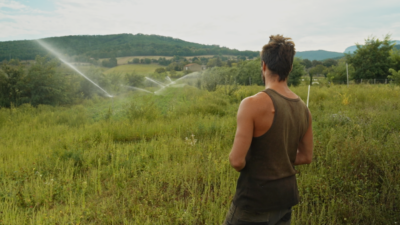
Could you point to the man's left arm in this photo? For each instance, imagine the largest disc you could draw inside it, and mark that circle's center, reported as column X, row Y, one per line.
column 244, row 135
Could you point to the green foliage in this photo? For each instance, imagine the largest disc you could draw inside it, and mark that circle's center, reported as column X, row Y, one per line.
column 44, row 82
column 316, row 63
column 112, row 62
column 338, row 74
column 160, row 70
column 329, row 62
column 215, row 62
column 249, row 72
column 372, row 60
column 134, row 79
column 395, row 58
column 213, row 77
column 297, row 72
column 11, row 83
column 317, row 70
column 395, row 76
column 43, row 85
column 306, row 63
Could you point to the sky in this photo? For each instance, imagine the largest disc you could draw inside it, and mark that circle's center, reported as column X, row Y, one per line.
column 243, row 25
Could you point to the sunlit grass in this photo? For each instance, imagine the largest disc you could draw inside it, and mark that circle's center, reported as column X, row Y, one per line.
column 133, row 159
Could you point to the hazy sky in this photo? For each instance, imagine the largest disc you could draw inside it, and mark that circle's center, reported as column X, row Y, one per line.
column 244, row 25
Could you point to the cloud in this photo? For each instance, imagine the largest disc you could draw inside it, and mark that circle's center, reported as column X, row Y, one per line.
column 329, row 25
column 9, row 4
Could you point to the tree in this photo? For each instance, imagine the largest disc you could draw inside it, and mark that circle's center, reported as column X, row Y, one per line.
column 329, row 62
column 316, row 62
column 215, row 62
column 338, row 74
column 306, row 63
column 317, row 70
column 11, row 83
column 112, row 62
column 372, row 60
column 134, row 79
column 395, row 58
column 147, row 61
column 224, row 76
column 136, row 61
column 249, row 72
column 43, row 85
column 297, row 72
column 160, row 70
column 395, row 76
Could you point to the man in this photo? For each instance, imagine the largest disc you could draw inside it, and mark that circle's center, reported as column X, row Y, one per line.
column 273, row 134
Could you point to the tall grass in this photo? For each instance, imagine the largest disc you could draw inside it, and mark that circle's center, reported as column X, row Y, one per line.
column 147, row 159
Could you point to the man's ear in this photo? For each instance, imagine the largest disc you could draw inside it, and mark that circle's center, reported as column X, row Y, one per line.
column 264, row 66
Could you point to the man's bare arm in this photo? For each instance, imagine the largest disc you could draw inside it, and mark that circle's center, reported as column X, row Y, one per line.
column 306, row 146
column 244, row 134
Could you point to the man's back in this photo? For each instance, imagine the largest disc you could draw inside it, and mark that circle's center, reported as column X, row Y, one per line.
column 268, row 182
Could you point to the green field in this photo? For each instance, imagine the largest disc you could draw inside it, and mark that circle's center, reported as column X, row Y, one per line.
column 138, row 68
column 163, row 159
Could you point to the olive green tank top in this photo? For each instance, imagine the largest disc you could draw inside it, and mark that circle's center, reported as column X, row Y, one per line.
column 268, row 180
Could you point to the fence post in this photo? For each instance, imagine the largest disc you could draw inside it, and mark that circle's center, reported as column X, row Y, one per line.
column 374, row 81
column 361, row 80
column 385, row 81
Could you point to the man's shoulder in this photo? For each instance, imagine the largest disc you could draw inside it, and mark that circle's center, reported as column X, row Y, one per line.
column 257, row 102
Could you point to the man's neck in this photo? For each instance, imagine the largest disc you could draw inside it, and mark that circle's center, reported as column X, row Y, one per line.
column 275, row 84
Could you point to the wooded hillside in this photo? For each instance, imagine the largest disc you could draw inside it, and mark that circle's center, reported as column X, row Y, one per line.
column 116, row 45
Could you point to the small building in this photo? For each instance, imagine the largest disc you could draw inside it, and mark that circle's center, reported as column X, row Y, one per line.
column 193, row 67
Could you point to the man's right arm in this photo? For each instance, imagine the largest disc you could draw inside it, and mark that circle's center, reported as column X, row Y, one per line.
column 306, row 146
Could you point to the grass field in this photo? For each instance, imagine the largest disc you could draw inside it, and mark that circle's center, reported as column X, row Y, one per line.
column 138, row 68
column 163, row 159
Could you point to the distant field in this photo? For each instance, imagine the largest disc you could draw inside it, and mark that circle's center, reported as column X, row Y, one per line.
column 139, row 68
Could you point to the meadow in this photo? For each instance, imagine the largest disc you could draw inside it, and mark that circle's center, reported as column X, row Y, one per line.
column 138, row 68
column 163, row 159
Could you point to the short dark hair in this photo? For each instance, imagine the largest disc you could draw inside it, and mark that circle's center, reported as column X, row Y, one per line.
column 278, row 55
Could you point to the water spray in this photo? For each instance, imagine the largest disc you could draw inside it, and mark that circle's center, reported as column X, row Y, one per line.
column 169, row 79
column 156, row 82
column 59, row 56
column 138, row 89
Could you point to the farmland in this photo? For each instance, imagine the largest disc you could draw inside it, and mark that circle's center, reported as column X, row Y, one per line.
column 163, row 159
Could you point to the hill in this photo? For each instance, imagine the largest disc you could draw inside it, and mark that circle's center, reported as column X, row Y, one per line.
column 352, row 48
column 115, row 45
column 318, row 55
